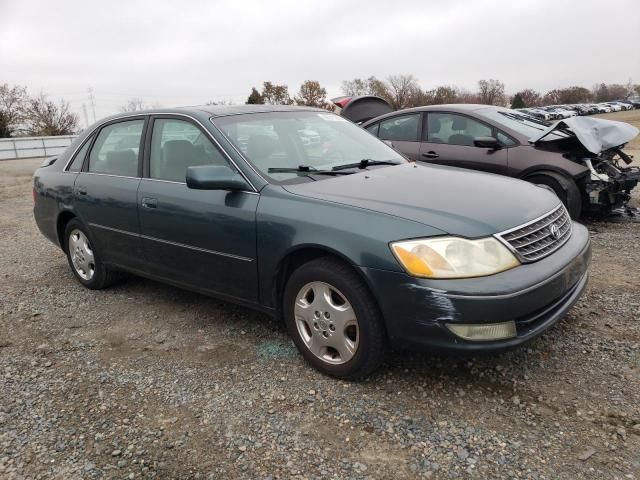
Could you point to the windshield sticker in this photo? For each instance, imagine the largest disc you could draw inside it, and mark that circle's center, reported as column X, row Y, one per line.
column 329, row 117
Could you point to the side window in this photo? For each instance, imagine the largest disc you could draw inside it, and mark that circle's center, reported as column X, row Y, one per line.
column 177, row 145
column 373, row 129
column 115, row 151
column 400, row 128
column 504, row 140
column 454, row 129
column 78, row 160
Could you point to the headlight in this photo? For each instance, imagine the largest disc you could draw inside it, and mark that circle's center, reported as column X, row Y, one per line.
column 452, row 257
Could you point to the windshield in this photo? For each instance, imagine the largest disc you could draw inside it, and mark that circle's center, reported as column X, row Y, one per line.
column 288, row 140
column 526, row 125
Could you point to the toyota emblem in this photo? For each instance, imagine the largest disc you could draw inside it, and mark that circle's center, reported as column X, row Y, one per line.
column 554, row 231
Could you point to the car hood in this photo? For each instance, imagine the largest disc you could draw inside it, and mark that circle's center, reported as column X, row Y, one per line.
column 595, row 134
column 454, row 200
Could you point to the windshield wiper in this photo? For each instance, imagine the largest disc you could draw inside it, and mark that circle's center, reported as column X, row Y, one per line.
column 364, row 163
column 304, row 170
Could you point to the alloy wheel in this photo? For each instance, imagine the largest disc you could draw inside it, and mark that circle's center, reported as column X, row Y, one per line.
column 326, row 323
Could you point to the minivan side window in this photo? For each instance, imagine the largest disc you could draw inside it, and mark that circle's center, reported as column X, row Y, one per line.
column 177, row 145
column 454, row 129
column 400, row 128
column 78, row 160
column 116, row 150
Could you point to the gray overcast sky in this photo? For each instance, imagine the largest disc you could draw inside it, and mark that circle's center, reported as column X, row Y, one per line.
column 188, row 52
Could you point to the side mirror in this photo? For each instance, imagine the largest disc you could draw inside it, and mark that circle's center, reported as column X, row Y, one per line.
column 389, row 143
column 214, row 177
column 487, row 142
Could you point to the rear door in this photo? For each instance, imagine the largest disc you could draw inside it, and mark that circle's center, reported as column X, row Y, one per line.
column 200, row 238
column 447, row 139
column 105, row 191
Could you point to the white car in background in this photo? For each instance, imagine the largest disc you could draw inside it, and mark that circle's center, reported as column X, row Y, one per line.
column 609, row 108
column 604, row 108
column 623, row 106
column 543, row 114
column 564, row 113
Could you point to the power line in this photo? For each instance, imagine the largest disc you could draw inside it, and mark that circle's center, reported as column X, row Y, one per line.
column 92, row 102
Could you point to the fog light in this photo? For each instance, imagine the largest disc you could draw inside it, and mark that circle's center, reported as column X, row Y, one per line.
column 484, row 331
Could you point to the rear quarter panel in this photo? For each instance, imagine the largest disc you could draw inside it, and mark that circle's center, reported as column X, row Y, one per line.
column 53, row 195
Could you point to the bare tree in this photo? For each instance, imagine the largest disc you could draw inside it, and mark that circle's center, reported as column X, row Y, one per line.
column 13, row 102
column 441, row 95
column 552, row 97
column 402, row 90
column 368, row 86
column 491, row 92
column 355, row 87
column 530, row 97
column 312, row 94
column 44, row 118
column 134, row 104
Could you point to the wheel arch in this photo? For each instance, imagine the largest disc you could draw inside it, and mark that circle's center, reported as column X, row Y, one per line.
column 299, row 255
column 61, row 224
column 545, row 169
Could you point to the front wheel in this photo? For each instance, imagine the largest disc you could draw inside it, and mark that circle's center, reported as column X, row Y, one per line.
column 565, row 189
column 333, row 319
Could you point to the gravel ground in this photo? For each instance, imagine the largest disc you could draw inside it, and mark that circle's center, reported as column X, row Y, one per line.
column 146, row 380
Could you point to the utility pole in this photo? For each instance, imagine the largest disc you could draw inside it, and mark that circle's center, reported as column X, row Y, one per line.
column 86, row 117
column 92, row 102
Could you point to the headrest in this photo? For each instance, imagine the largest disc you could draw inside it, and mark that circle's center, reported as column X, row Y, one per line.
column 178, row 149
column 434, row 124
column 459, row 123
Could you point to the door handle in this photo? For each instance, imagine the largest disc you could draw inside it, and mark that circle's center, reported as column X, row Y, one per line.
column 149, row 202
column 430, row 154
column 81, row 190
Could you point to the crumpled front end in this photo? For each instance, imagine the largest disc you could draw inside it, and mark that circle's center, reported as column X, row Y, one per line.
column 611, row 178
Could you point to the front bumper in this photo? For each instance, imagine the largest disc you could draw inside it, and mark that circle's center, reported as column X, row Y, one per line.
column 534, row 295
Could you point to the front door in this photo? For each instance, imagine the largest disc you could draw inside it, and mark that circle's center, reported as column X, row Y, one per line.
column 201, row 238
column 448, row 140
column 105, row 192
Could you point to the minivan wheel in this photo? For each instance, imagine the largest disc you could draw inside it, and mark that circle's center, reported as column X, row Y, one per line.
column 83, row 259
column 564, row 187
column 333, row 319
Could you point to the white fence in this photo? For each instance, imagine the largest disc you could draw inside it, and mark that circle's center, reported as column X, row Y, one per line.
column 27, row 147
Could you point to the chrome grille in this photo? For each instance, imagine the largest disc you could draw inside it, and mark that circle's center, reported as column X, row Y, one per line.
column 539, row 238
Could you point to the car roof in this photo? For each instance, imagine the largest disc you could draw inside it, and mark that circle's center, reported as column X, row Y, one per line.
column 224, row 110
column 207, row 110
column 449, row 107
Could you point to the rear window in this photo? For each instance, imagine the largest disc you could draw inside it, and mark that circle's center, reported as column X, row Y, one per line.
column 78, row 160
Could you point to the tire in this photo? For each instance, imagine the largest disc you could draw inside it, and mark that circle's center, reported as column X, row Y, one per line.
column 564, row 187
column 83, row 259
column 349, row 319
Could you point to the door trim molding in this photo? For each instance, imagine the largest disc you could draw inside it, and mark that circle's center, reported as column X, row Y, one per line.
column 175, row 244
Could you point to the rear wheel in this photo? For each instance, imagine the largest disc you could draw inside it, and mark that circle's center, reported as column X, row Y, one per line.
column 333, row 319
column 83, row 259
column 564, row 187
